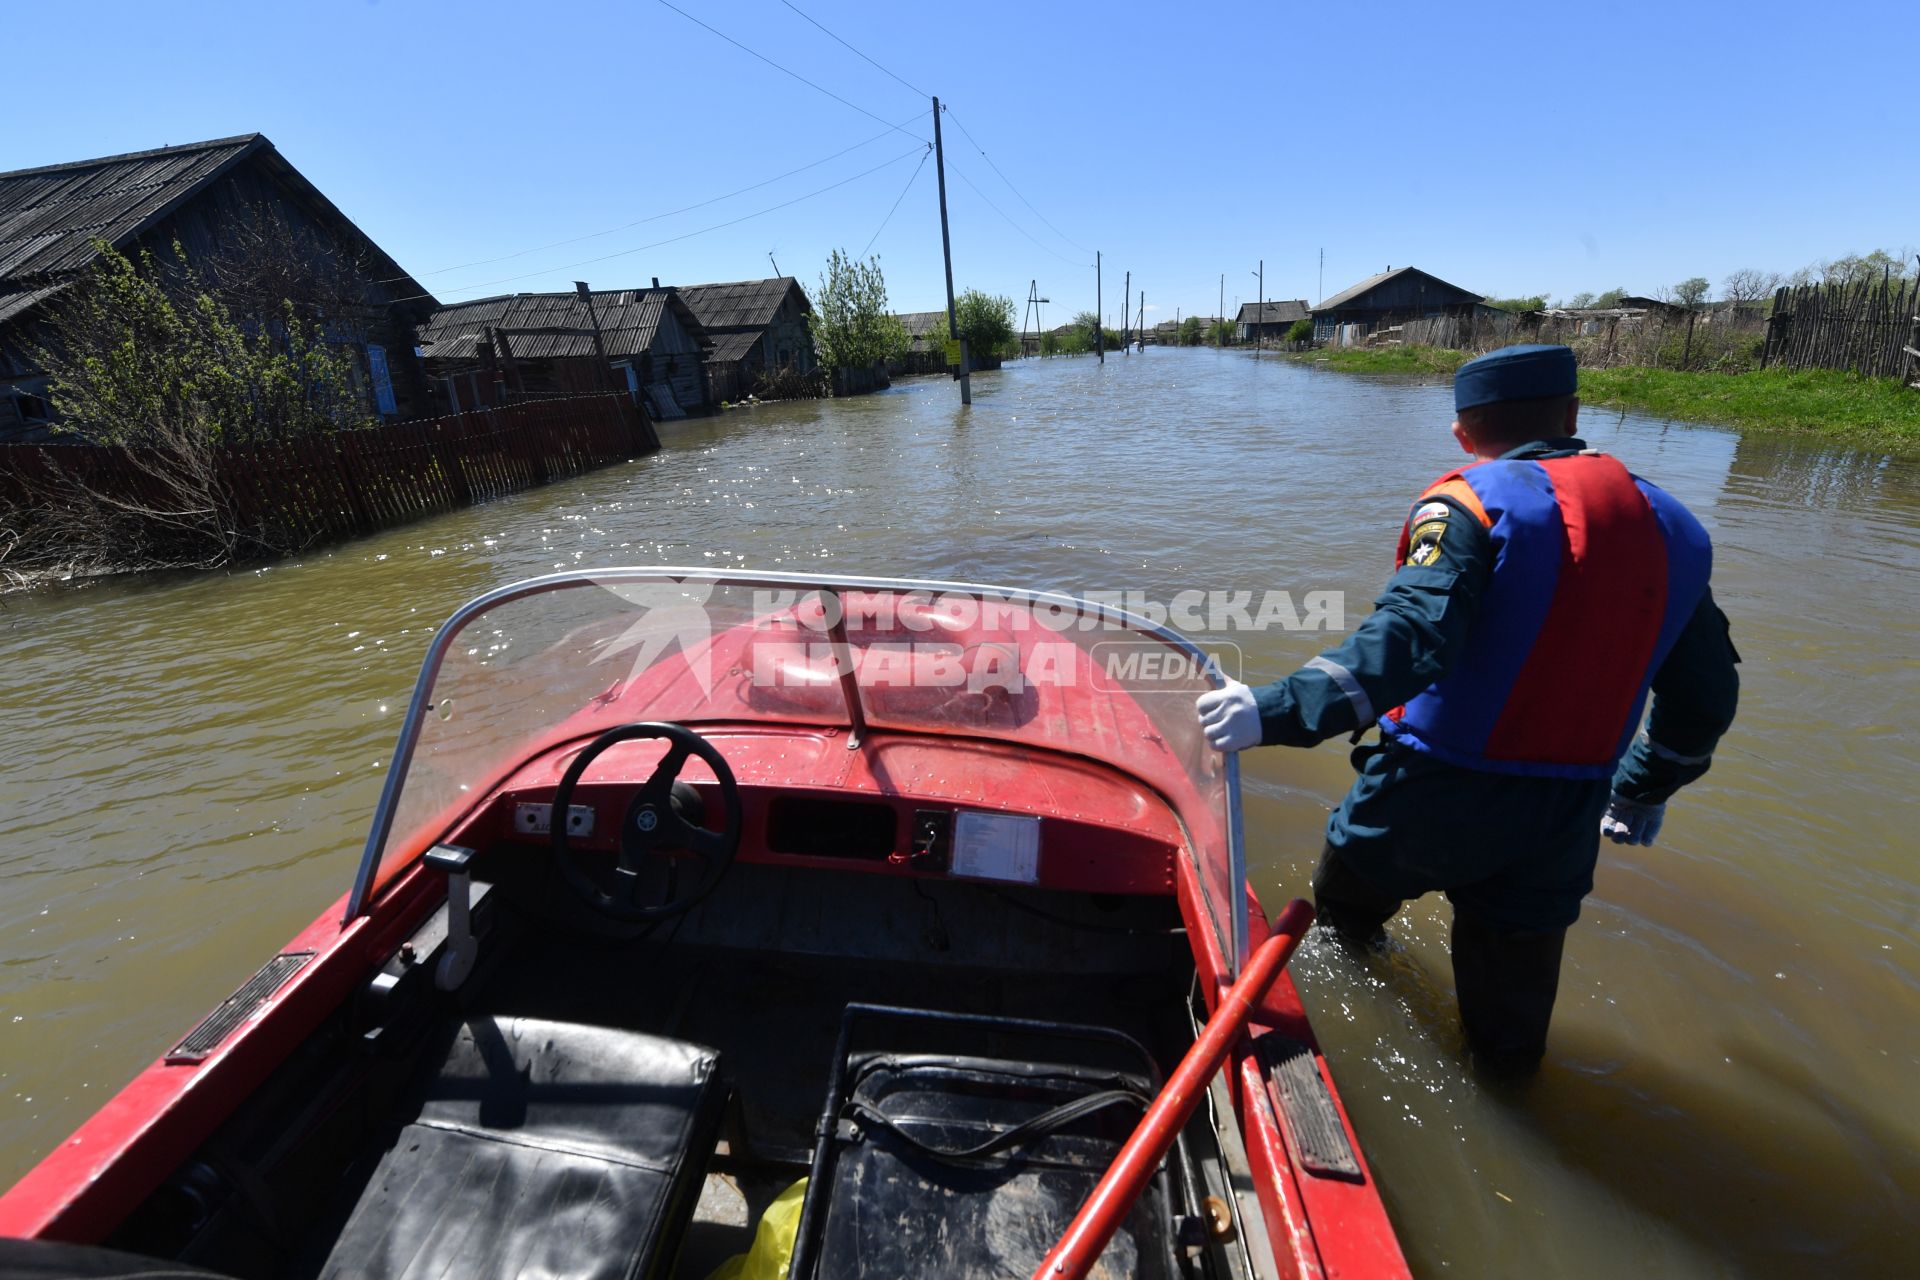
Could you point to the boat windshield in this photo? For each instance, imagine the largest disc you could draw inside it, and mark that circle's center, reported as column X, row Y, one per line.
column 560, row 659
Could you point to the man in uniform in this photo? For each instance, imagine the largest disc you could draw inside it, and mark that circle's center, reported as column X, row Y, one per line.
column 1540, row 592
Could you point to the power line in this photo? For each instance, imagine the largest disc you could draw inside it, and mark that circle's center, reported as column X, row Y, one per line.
column 959, row 173
column 796, row 8
column 641, row 222
column 1016, row 191
column 897, row 199
column 587, row 262
column 785, row 71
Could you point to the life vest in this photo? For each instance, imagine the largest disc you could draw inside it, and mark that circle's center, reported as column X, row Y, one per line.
column 1595, row 572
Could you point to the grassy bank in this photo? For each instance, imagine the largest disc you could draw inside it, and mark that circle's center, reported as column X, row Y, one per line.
column 1868, row 413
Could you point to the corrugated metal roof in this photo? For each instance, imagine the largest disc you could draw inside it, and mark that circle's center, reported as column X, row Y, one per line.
column 729, row 348
column 49, row 217
column 628, row 319
column 921, row 323
column 14, row 301
column 1276, row 312
column 743, row 304
column 1373, row 282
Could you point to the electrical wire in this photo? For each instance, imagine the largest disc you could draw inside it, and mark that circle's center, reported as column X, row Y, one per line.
column 786, row 71
column 1003, row 177
column 641, row 222
column 897, row 199
column 587, row 262
column 797, row 9
column 1010, row 222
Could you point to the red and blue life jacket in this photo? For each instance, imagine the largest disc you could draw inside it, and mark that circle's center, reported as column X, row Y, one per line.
column 1595, row 572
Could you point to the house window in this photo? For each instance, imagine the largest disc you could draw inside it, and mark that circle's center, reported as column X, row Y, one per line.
column 382, row 383
column 32, row 409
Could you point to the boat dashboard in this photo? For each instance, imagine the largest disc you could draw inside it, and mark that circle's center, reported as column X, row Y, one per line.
column 897, row 804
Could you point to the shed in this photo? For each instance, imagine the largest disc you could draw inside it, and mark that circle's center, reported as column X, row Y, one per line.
column 531, row 345
column 1394, row 296
column 772, row 312
column 231, row 204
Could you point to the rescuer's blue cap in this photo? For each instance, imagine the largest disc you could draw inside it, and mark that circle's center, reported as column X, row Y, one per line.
column 1530, row 371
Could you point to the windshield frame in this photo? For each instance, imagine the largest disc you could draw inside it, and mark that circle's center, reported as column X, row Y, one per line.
column 359, row 900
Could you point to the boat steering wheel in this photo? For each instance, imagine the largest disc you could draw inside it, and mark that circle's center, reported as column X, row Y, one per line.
column 652, row 825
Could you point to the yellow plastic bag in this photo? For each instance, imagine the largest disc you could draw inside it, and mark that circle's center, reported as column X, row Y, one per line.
column 772, row 1241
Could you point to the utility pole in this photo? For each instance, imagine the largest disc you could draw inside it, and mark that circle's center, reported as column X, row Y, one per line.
column 1260, row 312
column 1141, row 328
column 1099, row 338
column 1126, row 316
column 599, row 347
column 946, row 252
column 1220, row 335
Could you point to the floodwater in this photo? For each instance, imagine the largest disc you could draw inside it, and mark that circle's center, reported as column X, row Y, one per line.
column 187, row 764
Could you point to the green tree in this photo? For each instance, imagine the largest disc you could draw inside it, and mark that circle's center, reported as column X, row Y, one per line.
column 1856, row 267
column 1192, row 330
column 851, row 325
column 1611, row 298
column 1579, row 301
column 1536, row 303
column 1300, row 330
column 146, row 356
column 1692, row 291
column 1221, row 332
column 986, row 324
column 138, row 354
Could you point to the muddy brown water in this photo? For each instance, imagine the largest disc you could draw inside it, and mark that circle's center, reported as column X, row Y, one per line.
column 187, row 764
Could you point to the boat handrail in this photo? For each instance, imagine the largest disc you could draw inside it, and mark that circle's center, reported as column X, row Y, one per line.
column 418, row 706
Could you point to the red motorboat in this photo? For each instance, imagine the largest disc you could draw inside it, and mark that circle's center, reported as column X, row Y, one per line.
column 861, row 927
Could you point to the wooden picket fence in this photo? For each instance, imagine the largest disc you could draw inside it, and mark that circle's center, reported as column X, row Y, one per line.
column 301, row 492
column 1864, row 326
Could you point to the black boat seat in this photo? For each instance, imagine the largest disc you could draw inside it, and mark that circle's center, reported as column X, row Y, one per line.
column 541, row 1149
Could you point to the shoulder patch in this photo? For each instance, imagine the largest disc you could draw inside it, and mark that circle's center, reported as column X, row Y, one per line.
column 1423, row 543
column 1432, row 511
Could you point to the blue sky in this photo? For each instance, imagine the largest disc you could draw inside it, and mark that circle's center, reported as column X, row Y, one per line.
column 1508, row 148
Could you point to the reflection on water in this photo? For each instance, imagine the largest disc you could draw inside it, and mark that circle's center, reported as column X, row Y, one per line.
column 187, row 765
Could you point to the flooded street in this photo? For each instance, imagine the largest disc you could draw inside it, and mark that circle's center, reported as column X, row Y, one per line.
column 187, row 765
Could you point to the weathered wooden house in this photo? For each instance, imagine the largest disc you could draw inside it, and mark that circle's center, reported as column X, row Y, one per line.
column 926, row 342
column 531, row 345
column 1268, row 321
column 250, row 226
column 758, row 327
column 1392, row 297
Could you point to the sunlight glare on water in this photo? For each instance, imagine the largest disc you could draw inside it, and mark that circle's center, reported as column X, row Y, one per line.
column 187, row 765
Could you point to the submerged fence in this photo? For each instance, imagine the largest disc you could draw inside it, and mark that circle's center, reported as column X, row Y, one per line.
column 1864, row 326
column 312, row 489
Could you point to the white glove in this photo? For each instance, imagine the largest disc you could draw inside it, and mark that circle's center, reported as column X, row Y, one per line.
column 1632, row 821
column 1229, row 717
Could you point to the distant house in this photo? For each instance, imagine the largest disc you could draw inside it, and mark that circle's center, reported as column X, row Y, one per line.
column 1268, row 321
column 757, row 327
column 210, row 197
column 926, row 342
column 1392, row 297
column 529, row 345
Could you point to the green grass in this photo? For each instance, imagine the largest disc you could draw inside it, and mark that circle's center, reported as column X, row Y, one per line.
column 1868, row 413
column 1385, row 359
